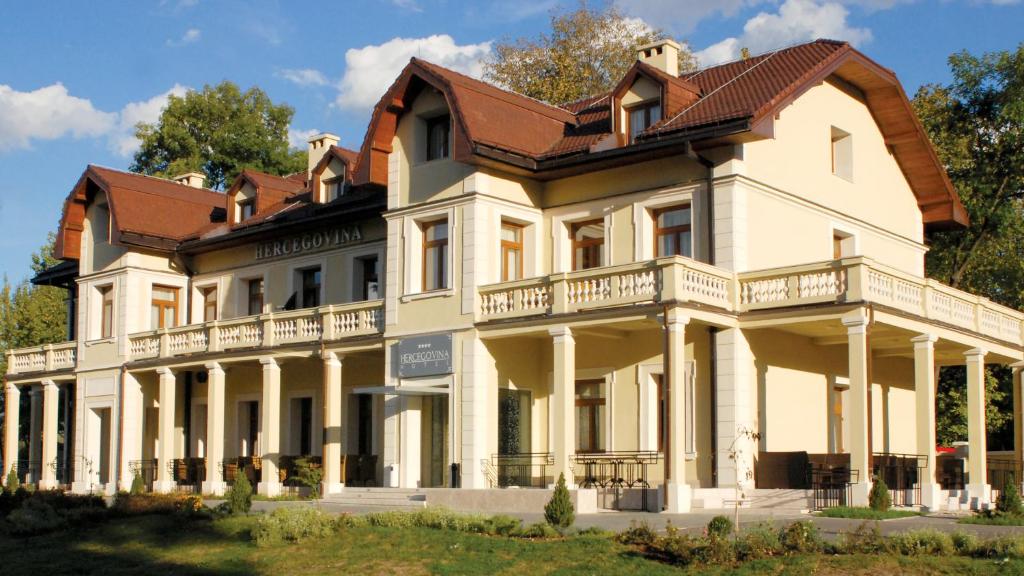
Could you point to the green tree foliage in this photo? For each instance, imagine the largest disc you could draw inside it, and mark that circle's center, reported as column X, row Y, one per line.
column 218, row 131
column 976, row 123
column 586, row 52
column 879, row 498
column 11, row 484
column 559, row 511
column 1009, row 498
column 239, row 496
column 138, row 485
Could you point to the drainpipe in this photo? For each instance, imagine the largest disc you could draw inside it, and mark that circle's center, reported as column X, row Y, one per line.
column 667, row 385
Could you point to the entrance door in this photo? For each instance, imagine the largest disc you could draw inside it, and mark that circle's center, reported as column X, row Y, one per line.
column 436, row 431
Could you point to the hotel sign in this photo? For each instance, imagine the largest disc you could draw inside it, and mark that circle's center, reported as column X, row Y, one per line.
column 309, row 242
column 425, row 356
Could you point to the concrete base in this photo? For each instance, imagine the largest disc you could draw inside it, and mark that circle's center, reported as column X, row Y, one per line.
column 979, row 496
column 48, row 485
column 332, row 488
column 215, row 488
column 269, row 489
column 859, row 493
column 505, row 500
column 678, row 498
column 932, row 497
column 164, row 486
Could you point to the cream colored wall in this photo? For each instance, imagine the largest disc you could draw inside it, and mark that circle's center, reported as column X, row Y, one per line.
column 643, row 90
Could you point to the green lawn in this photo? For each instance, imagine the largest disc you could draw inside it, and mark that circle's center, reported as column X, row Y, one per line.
column 865, row 513
column 163, row 545
column 994, row 520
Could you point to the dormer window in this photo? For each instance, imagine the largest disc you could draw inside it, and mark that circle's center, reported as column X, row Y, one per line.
column 641, row 117
column 246, row 209
column 334, row 189
column 438, row 137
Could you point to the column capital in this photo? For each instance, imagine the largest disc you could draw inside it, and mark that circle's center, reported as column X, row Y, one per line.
column 560, row 332
column 11, row 388
column 676, row 319
column 924, row 340
column 164, row 371
column 855, row 324
column 48, row 384
column 975, row 354
column 333, row 358
column 213, row 367
column 270, row 363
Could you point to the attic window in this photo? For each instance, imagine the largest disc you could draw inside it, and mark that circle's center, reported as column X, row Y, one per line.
column 641, row 117
column 842, row 154
column 334, row 188
column 246, row 209
column 438, row 136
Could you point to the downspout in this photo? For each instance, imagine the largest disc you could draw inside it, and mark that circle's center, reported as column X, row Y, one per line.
column 666, row 367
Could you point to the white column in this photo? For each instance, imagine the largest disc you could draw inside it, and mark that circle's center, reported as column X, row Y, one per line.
column 215, row 414
column 978, row 489
column 392, row 418
column 270, row 481
column 409, row 456
column 48, row 467
column 1018, row 419
column 131, row 439
column 12, row 404
column 924, row 390
column 857, row 336
column 564, row 402
column 165, row 429
column 677, row 491
column 35, row 428
column 734, row 410
column 334, row 422
column 473, row 403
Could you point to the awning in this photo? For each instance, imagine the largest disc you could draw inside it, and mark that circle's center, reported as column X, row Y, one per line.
column 404, row 390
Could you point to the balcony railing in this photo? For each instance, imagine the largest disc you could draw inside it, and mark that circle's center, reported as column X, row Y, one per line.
column 327, row 323
column 46, row 358
column 680, row 279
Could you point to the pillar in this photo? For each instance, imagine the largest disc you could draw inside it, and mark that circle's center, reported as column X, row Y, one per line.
column 677, row 490
column 924, row 393
column 735, row 411
column 411, row 446
column 474, row 423
column 165, row 429
column 978, row 488
column 564, row 404
column 35, row 427
column 270, row 481
column 860, row 382
column 12, row 402
column 131, row 434
column 215, row 414
column 1018, row 419
column 48, row 467
column 334, row 418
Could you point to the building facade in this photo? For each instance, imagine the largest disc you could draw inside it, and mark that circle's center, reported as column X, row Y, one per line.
column 691, row 283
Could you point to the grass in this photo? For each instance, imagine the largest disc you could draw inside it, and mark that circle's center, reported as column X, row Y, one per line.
column 160, row 545
column 993, row 520
column 864, row 513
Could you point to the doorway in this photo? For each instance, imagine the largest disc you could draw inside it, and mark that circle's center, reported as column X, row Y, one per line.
column 435, row 441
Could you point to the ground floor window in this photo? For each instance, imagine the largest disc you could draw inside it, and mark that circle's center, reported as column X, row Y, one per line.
column 514, row 421
column 590, row 407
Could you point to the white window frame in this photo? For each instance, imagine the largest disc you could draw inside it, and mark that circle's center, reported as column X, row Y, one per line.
column 198, row 302
column 413, row 252
column 607, row 391
column 648, row 396
column 289, row 440
column 561, row 227
column 850, row 240
column 841, row 153
column 643, row 219
column 243, row 292
column 237, row 446
column 95, row 324
column 531, row 235
column 295, row 270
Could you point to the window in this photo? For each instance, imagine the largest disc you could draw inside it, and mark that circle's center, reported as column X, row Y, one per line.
column 164, row 310
column 334, row 189
column 641, row 117
column 435, row 255
column 672, row 231
column 438, row 133
column 511, row 251
column 209, row 303
column 246, row 209
column 590, row 406
column 310, row 287
column 255, row 290
column 369, row 285
column 843, row 244
column 302, row 426
column 837, row 247
column 842, row 154
column 659, row 382
column 587, row 244
column 107, row 312
column 365, row 425
column 514, row 421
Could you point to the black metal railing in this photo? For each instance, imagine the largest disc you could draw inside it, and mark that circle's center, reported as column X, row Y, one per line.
column 360, row 469
column 527, row 469
column 616, row 470
column 901, row 473
column 951, row 472
column 188, row 472
column 832, row 486
column 1000, row 472
column 146, row 469
column 251, row 465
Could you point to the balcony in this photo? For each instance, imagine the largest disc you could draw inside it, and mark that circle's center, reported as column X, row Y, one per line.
column 324, row 324
column 45, row 358
column 849, row 280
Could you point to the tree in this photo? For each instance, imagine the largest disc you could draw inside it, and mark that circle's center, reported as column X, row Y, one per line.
column 586, row 52
column 559, row 511
column 976, row 123
column 218, row 131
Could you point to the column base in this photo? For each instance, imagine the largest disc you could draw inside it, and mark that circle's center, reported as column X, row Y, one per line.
column 678, row 498
column 214, row 488
column 931, row 497
column 47, row 484
column 164, row 486
column 332, row 488
column 979, row 496
column 269, row 489
column 80, row 487
column 859, row 493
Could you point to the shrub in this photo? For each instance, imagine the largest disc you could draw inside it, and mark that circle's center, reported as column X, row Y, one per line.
column 138, row 504
column 866, row 539
column 675, row 547
column 310, row 476
column 760, row 541
column 717, row 551
column 719, row 527
column 879, row 498
column 593, row 531
column 964, row 543
column 538, row 530
column 1001, row 547
column 294, row 524
column 801, row 537
column 138, row 485
column 559, row 511
column 11, row 484
column 638, row 534
column 1009, row 499
column 34, row 516
column 921, row 543
column 239, row 496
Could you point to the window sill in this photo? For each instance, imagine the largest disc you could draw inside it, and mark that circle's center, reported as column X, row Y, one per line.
column 110, row 340
column 442, row 293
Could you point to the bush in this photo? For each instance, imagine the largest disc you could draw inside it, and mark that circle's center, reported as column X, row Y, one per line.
column 11, row 484
column 964, row 543
column 719, row 527
column 716, row 551
column 866, row 539
column 138, row 485
column 559, row 511
column 921, row 543
column 801, row 537
column 310, row 476
column 676, row 547
column 638, row 534
column 1009, row 499
column 538, row 530
column 1001, row 547
column 138, row 504
column 239, row 496
column 35, row 516
column 294, row 524
column 761, row 541
column 879, row 498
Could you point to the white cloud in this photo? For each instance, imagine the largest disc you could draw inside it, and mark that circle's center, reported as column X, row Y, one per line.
column 123, row 140
column 796, row 21
column 304, row 76
column 371, row 69
column 411, row 5
column 47, row 114
column 299, row 139
column 190, row 36
column 679, row 17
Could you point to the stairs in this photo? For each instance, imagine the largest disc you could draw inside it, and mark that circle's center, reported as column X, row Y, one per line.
column 380, row 498
column 781, row 499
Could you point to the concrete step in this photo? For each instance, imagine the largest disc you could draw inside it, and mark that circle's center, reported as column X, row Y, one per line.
column 383, row 498
column 781, row 499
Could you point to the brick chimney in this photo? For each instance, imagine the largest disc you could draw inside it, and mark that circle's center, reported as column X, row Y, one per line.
column 318, row 146
column 662, row 54
column 193, row 179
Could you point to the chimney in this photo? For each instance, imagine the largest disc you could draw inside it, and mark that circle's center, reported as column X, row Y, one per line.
column 318, row 146
column 193, row 179
column 662, row 54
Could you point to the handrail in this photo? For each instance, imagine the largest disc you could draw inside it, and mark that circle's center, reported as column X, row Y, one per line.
column 43, row 358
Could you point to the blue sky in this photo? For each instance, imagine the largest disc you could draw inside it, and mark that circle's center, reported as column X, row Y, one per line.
column 76, row 76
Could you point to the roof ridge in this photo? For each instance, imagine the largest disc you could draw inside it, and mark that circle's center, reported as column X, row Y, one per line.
column 206, row 191
column 764, row 54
